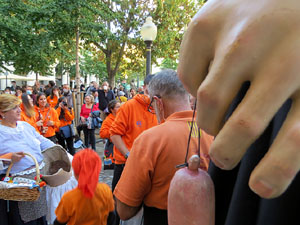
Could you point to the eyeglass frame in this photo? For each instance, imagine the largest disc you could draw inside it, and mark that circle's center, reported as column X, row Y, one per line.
column 150, row 105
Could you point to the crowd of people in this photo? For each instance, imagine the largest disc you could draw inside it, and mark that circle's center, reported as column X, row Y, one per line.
column 240, row 59
column 40, row 117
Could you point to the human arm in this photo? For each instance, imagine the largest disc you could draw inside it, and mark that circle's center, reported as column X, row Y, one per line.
column 119, row 128
column 104, row 130
column 44, row 142
column 53, row 121
column 58, row 223
column 231, row 42
column 69, row 113
column 119, row 143
column 135, row 182
column 13, row 157
column 125, row 211
column 82, row 113
column 63, row 211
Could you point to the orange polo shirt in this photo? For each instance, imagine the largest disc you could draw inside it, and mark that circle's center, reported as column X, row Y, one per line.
column 131, row 120
column 75, row 208
column 46, row 115
column 106, row 125
column 150, row 166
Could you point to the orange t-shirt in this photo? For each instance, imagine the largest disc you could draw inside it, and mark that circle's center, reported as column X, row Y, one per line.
column 46, row 115
column 132, row 119
column 75, row 208
column 106, row 125
column 52, row 102
column 150, row 166
column 69, row 117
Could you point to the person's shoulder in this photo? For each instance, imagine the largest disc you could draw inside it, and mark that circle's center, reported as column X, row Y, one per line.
column 103, row 190
column 154, row 133
column 23, row 124
column 110, row 117
column 103, row 186
column 71, row 194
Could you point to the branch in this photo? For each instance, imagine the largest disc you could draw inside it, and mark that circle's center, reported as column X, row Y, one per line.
column 105, row 51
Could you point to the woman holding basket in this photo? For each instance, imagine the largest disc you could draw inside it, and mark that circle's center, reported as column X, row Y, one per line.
column 17, row 137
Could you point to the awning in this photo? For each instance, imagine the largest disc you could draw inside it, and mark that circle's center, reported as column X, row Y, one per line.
column 46, row 78
column 16, row 77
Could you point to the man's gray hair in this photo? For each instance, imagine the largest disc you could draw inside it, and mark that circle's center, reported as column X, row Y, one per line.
column 166, row 84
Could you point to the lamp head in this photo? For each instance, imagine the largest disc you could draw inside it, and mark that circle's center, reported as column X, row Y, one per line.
column 149, row 30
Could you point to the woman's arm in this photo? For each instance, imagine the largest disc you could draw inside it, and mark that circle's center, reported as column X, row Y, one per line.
column 69, row 114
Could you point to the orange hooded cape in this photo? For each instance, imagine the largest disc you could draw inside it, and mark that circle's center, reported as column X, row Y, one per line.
column 87, row 166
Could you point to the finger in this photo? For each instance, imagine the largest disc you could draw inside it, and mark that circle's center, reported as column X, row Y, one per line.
column 277, row 169
column 258, row 107
column 238, row 53
column 196, row 52
column 20, row 153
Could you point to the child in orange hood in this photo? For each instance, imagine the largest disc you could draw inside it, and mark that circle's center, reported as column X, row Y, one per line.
column 91, row 202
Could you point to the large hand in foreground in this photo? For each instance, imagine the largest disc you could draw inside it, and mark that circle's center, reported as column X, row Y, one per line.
column 228, row 43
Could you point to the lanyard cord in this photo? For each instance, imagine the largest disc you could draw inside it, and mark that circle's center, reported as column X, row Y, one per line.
column 189, row 140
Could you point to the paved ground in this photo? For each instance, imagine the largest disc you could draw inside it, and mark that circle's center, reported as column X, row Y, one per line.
column 105, row 175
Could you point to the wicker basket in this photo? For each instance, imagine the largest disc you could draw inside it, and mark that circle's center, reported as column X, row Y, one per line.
column 22, row 193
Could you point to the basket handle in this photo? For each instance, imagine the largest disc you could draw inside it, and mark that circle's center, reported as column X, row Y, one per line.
column 36, row 167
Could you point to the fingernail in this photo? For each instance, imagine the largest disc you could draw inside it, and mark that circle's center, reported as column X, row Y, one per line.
column 263, row 189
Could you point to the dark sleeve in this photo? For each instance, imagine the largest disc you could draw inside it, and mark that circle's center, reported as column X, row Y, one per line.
column 102, row 100
column 113, row 95
column 111, row 218
column 58, row 223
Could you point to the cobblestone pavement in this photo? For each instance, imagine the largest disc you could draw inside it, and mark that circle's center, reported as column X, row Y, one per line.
column 105, row 175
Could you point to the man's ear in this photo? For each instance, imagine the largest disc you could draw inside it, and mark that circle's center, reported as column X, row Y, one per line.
column 159, row 103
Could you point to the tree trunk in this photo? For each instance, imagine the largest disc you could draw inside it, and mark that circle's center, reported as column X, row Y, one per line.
column 77, row 61
column 111, row 79
column 78, row 98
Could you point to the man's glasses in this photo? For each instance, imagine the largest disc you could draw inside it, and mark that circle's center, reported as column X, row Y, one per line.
column 150, row 107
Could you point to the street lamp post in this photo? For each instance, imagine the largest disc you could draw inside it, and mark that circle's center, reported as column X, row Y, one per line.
column 148, row 33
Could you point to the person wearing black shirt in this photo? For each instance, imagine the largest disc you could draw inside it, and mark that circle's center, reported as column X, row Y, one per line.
column 105, row 96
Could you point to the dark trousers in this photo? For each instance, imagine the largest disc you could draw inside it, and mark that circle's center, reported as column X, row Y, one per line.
column 70, row 143
column 155, row 216
column 89, row 137
column 118, row 169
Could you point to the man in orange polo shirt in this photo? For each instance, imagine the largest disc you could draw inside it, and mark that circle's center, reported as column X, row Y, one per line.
column 132, row 119
column 155, row 153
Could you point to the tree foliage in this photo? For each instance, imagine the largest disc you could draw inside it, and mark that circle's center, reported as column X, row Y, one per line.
column 37, row 34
